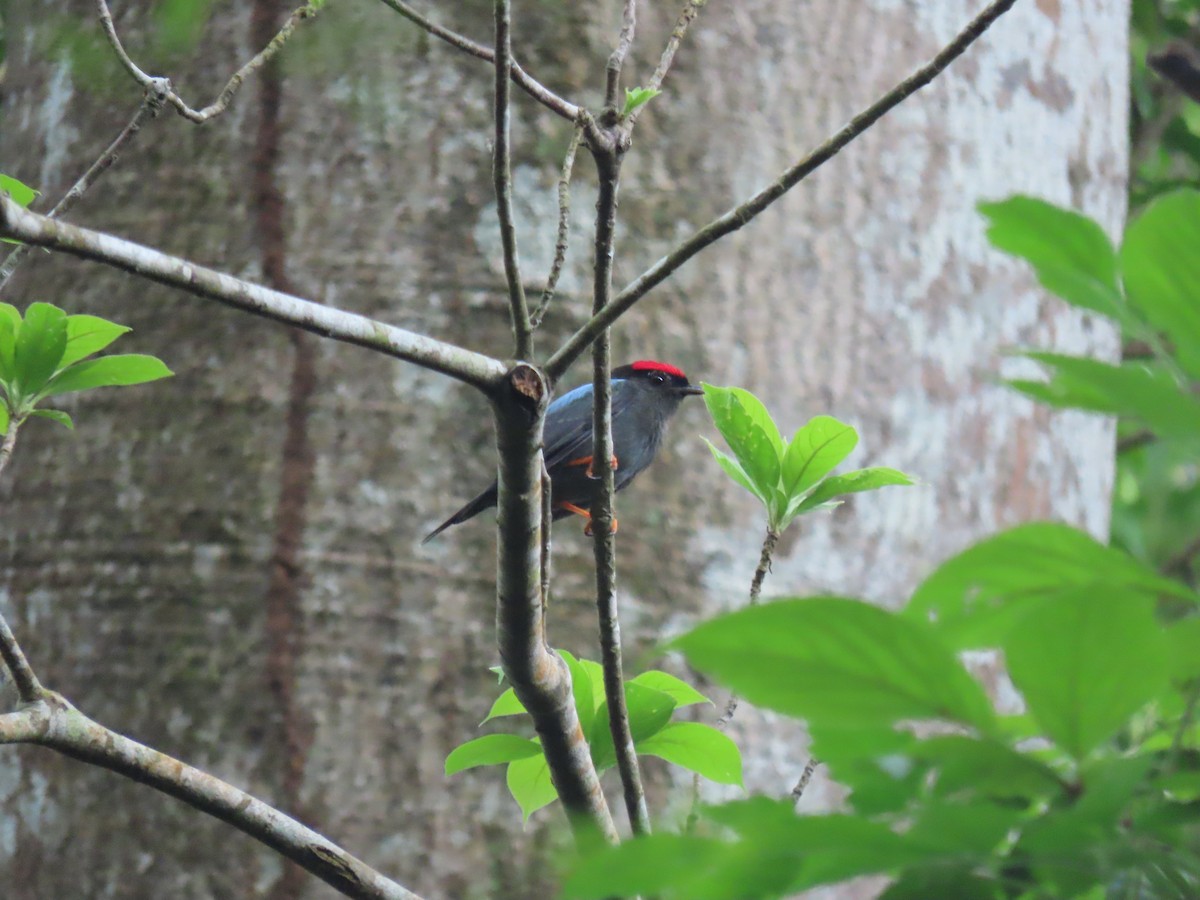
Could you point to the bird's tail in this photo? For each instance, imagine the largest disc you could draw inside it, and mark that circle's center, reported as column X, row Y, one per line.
column 472, row 509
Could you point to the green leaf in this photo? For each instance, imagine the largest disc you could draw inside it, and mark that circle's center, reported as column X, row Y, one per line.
column 87, row 335
column 1184, row 640
column 735, row 471
column 40, row 343
column 649, row 710
column 3, row 418
column 1130, row 389
column 678, row 690
column 506, row 704
column 814, row 452
column 875, row 762
column 753, row 437
column 648, row 866
column 55, row 415
column 635, row 97
column 108, row 371
column 530, row 785
column 8, row 340
column 850, row 483
column 1070, row 253
column 697, row 747
column 1161, row 269
column 834, row 660
column 22, row 194
column 490, row 750
column 976, row 597
column 1085, row 661
column 970, row 766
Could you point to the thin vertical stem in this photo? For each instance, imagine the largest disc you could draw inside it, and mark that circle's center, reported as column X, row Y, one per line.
column 612, row 72
column 564, row 227
column 502, row 177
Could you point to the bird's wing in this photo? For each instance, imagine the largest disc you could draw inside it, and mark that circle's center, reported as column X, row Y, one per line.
column 568, row 429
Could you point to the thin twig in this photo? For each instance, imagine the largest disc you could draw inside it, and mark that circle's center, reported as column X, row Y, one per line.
column 474, row 369
column 603, row 518
column 1135, row 440
column 29, row 689
column 9, row 442
column 691, row 9
column 770, row 540
column 502, row 179
column 612, row 71
column 53, row 722
column 151, row 105
column 805, row 778
column 218, row 106
column 564, row 228
column 735, row 218
column 526, row 82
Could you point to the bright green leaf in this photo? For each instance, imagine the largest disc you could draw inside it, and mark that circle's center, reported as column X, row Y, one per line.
column 974, row 598
column 490, row 750
column 734, row 471
column 108, row 371
column 1161, row 269
column 834, row 660
column 1070, row 253
column 1085, row 661
column 1130, row 389
column 40, row 343
column 3, row 419
column 635, row 97
column 851, row 483
column 581, row 690
column 649, row 710
column 814, row 452
column 8, row 340
column 697, row 747
column 22, row 194
column 530, row 785
column 647, row 866
column 753, row 437
column 678, row 690
column 87, row 335
column 55, row 415
column 506, row 704
column 1183, row 637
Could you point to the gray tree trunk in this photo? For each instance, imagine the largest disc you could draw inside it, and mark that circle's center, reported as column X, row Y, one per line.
column 226, row 564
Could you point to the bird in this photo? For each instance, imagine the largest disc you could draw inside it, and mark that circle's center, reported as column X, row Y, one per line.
column 645, row 394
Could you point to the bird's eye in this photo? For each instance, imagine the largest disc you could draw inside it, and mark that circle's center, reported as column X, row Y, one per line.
column 658, row 377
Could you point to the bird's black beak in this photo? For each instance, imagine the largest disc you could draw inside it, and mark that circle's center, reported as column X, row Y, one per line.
column 692, row 390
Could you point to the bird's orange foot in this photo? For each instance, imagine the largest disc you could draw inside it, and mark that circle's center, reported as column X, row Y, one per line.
column 580, row 511
column 587, row 529
column 587, row 461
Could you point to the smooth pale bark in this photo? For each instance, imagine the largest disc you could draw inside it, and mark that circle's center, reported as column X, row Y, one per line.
column 135, row 553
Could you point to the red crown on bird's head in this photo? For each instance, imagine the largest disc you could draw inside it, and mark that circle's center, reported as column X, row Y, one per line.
column 653, row 365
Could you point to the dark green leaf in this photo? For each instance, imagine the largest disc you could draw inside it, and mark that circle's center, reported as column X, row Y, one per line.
column 649, row 710
column 22, row 194
column 1085, row 661
column 87, row 335
column 490, row 750
column 1161, row 268
column 108, row 371
column 1070, row 253
column 976, row 597
column 989, row 768
column 814, row 452
column 40, row 343
column 678, row 690
column 1130, row 389
column 530, row 785
column 851, row 483
column 647, row 866
column 840, row 661
column 958, row 882
column 1183, row 637
column 506, row 704
column 55, row 415
column 698, row 748
column 875, row 762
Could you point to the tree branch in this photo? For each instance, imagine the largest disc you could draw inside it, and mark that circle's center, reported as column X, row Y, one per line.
column 603, row 518
column 9, row 442
column 564, row 228
column 690, row 10
column 151, row 105
column 735, row 218
column 612, row 71
column 223, row 100
column 29, row 689
column 539, row 676
column 805, row 777
column 475, row 369
column 526, row 82
column 502, row 179
column 53, row 722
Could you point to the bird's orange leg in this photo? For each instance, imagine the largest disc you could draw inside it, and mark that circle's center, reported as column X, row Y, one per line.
column 580, row 511
column 587, row 461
